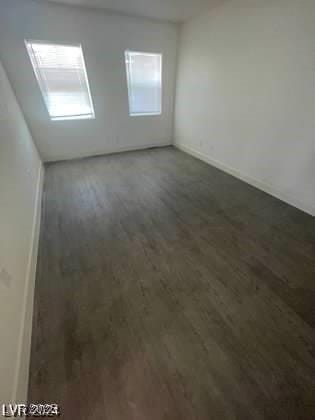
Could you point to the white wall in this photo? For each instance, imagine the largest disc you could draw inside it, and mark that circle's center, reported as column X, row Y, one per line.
column 20, row 188
column 246, row 94
column 104, row 38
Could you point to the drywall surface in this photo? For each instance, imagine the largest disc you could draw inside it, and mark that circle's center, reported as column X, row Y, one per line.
column 104, row 39
column 20, row 169
column 246, row 94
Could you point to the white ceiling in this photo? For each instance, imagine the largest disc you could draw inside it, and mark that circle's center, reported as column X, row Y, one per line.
column 171, row 10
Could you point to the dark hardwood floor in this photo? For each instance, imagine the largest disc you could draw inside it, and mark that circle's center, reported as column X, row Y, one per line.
column 168, row 290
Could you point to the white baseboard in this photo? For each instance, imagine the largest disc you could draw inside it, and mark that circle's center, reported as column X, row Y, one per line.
column 249, row 180
column 107, row 152
column 22, row 367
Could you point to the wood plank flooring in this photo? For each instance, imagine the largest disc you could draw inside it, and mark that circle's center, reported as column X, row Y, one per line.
column 169, row 290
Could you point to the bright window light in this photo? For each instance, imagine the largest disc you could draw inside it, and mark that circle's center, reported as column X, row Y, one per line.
column 144, row 78
column 62, row 78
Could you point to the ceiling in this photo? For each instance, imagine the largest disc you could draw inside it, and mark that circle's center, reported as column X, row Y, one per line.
column 171, row 10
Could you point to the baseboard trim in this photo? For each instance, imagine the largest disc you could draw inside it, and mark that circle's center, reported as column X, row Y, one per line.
column 107, row 152
column 19, row 394
column 249, row 180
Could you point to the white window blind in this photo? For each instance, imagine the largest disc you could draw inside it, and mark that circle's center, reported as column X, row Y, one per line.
column 62, row 78
column 144, row 78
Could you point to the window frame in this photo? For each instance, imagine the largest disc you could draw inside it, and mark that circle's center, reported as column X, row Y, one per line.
column 129, row 85
column 28, row 44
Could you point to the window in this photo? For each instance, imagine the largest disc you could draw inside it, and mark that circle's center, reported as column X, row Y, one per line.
column 62, row 78
column 144, row 78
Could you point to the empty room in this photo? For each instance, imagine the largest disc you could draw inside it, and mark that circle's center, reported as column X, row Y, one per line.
column 157, row 209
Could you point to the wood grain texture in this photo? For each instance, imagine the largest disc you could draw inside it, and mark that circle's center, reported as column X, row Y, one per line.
column 167, row 289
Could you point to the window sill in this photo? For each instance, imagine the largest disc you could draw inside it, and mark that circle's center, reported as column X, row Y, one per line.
column 153, row 114
column 74, row 117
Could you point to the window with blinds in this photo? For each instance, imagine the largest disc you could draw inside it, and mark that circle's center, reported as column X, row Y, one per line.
column 62, row 78
column 144, row 78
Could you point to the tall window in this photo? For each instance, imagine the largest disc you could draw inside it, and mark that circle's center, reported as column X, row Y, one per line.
column 62, row 78
column 144, row 78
